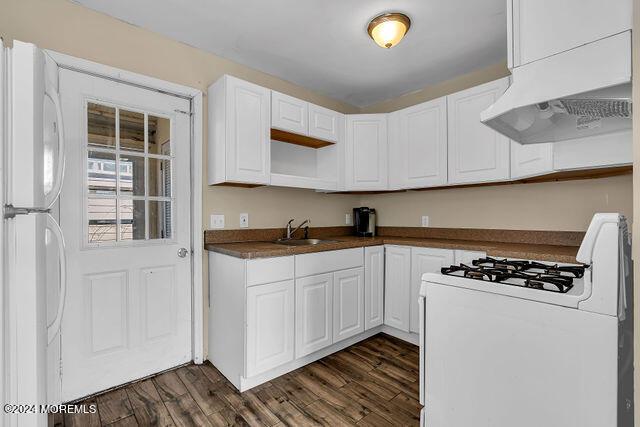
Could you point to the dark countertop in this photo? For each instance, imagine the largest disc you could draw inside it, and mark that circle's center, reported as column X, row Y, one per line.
column 538, row 252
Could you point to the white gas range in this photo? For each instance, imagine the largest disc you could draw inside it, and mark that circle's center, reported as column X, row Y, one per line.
column 508, row 343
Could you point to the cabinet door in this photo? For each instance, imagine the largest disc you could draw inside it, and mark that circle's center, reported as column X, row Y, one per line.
column 477, row 153
column 248, row 132
column 324, row 124
column 418, row 146
column 541, row 28
column 366, row 152
column 424, row 260
column 289, row 113
column 348, row 303
column 270, row 326
column 373, row 286
column 531, row 159
column 397, row 284
column 314, row 314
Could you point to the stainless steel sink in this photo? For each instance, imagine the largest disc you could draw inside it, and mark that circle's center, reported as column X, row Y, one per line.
column 303, row 242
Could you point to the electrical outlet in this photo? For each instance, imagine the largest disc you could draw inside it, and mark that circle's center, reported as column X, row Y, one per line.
column 425, row 221
column 244, row 220
column 348, row 219
column 217, row 221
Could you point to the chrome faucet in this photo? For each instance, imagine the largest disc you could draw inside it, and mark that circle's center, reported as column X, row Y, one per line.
column 291, row 232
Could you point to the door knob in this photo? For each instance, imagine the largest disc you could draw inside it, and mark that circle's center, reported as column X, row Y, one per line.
column 182, row 252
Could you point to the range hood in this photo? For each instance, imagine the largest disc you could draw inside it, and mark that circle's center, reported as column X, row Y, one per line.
column 582, row 92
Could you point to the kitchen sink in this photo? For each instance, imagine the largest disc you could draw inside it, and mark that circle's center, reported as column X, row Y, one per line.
column 303, row 242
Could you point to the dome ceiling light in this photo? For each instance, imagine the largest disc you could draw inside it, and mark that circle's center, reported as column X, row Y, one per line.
column 389, row 28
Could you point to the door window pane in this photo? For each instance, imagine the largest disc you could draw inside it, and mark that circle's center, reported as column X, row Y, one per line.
column 131, row 131
column 132, row 219
column 159, row 177
column 159, row 220
column 132, row 175
column 101, row 213
column 101, row 173
column 101, row 126
column 159, row 134
column 129, row 175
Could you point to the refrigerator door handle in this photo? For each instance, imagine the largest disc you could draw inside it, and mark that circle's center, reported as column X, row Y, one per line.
column 54, row 327
column 54, row 96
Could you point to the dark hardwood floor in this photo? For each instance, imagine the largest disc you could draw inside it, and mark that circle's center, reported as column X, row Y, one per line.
column 372, row 383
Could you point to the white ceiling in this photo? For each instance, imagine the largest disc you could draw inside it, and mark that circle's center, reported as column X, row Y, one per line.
column 323, row 44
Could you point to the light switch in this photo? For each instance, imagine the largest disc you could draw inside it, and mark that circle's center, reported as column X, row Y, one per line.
column 425, row 221
column 244, row 220
column 217, row 221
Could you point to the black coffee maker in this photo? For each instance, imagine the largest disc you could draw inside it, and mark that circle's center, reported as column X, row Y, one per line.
column 364, row 222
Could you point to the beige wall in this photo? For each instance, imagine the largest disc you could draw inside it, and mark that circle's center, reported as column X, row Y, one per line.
column 543, row 206
column 428, row 93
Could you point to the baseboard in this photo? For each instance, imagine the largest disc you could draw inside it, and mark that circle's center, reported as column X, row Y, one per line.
column 409, row 337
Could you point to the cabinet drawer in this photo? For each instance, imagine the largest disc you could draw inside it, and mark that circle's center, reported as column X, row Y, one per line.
column 323, row 262
column 268, row 270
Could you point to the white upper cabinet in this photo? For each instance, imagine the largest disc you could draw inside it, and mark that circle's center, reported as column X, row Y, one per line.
column 366, row 152
column 239, row 128
column 418, row 145
column 324, row 123
column 541, row 28
column 531, row 159
column 477, row 153
column 289, row 113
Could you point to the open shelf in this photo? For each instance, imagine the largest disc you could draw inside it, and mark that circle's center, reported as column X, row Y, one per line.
column 302, row 140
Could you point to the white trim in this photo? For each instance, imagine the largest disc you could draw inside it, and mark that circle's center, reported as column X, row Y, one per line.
column 101, row 70
column 197, row 336
column 409, row 337
column 196, row 97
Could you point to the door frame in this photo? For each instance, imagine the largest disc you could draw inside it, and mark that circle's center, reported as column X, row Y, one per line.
column 195, row 96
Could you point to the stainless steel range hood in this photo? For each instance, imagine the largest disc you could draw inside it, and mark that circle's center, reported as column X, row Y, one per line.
column 582, row 92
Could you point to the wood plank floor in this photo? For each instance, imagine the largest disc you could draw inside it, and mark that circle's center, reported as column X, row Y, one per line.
column 372, row 383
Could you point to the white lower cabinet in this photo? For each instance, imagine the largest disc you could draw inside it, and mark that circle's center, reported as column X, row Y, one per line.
column 270, row 326
column 424, row 260
column 397, row 281
column 348, row 303
column 314, row 314
column 373, row 286
column 465, row 257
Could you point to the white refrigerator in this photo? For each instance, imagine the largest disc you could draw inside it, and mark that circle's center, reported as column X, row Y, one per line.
column 32, row 252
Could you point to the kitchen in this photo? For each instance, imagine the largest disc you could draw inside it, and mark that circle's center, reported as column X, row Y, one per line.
column 551, row 191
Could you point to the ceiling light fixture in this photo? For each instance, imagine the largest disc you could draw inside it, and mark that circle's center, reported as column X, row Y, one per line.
column 389, row 28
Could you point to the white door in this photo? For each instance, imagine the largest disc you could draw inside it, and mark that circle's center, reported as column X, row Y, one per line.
column 247, row 132
column 397, row 285
column 270, row 326
column 348, row 303
column 289, row 114
column 314, row 313
column 366, row 152
column 477, row 153
column 531, row 159
column 424, row 260
column 418, row 145
column 126, row 218
column 373, row 286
